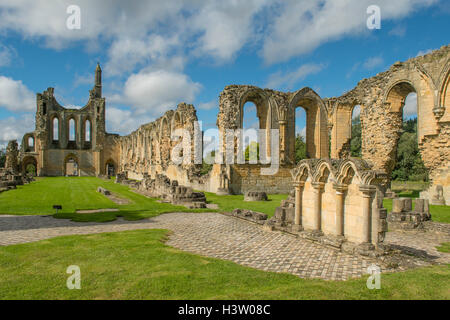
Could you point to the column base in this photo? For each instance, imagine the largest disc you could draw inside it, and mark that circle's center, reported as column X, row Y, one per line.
column 297, row 228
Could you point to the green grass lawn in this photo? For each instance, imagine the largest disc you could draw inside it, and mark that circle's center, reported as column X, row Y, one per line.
column 75, row 193
column 444, row 247
column 81, row 194
column 229, row 203
column 138, row 265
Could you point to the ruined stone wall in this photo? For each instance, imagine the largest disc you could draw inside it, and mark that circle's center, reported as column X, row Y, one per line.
column 248, row 177
column 276, row 110
column 149, row 149
column 52, row 145
column 382, row 99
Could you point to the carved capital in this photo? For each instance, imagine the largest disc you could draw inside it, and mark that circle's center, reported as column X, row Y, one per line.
column 367, row 190
column 299, row 184
column 439, row 112
column 319, row 186
column 342, row 188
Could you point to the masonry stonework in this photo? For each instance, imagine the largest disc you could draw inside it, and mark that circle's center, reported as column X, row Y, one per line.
column 75, row 142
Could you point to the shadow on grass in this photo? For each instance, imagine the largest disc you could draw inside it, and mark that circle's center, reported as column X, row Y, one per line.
column 128, row 215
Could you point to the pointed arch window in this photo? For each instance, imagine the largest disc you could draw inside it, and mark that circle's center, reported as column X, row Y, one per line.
column 72, row 130
column 87, row 131
column 55, row 129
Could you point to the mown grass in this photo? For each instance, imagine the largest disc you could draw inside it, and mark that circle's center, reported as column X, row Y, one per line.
column 229, row 203
column 138, row 265
column 444, row 247
column 80, row 193
column 77, row 193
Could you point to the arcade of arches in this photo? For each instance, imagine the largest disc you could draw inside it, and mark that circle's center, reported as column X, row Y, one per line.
column 147, row 151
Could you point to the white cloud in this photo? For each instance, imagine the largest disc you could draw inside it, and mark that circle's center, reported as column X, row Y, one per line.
column 14, row 128
column 424, row 52
column 156, row 92
column 226, row 26
column 15, row 96
column 7, row 54
column 303, row 25
column 288, row 80
column 140, row 31
column 127, row 53
column 373, row 62
column 166, row 33
column 398, row 31
column 300, row 131
column 410, row 108
column 124, row 121
column 356, row 112
column 208, row 105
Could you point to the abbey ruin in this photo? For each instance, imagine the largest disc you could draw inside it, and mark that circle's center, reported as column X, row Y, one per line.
column 75, row 142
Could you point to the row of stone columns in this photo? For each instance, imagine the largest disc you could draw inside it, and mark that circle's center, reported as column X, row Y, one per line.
column 341, row 191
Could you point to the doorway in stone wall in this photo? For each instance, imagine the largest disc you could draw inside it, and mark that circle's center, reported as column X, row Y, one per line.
column 71, row 167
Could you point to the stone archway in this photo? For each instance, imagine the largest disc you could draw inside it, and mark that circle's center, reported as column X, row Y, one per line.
column 29, row 166
column 71, row 166
column 110, row 168
column 316, row 124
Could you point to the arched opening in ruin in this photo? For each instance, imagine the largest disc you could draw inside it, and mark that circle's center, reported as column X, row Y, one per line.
column 29, row 166
column 72, row 130
column 29, row 143
column 250, row 125
column 55, row 129
column 71, row 168
column 71, row 134
column 405, row 160
column 87, row 131
column 255, row 113
column 165, row 140
column 356, row 133
column 177, row 126
column 110, row 168
column 315, row 122
column 300, row 134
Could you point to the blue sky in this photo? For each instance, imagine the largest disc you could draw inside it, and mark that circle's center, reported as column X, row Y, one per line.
column 155, row 54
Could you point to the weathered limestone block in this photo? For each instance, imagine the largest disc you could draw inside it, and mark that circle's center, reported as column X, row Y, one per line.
column 255, row 196
column 171, row 192
column 404, row 218
column 103, row 191
column 12, row 153
column 250, row 215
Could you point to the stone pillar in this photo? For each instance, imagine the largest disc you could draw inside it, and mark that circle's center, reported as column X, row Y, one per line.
column 340, row 202
column 318, row 186
column 298, row 205
column 368, row 192
column 283, row 153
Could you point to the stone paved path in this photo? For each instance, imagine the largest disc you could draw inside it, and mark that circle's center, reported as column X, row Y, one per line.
column 219, row 236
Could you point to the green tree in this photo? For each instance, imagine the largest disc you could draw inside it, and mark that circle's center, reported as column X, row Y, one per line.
column 253, row 144
column 355, row 143
column 409, row 164
column 207, row 166
column 300, row 149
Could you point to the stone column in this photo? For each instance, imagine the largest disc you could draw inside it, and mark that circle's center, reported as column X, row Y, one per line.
column 298, row 205
column 340, row 202
column 318, row 186
column 283, row 155
column 367, row 212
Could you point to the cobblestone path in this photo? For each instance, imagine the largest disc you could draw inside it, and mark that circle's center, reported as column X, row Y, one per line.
column 223, row 237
